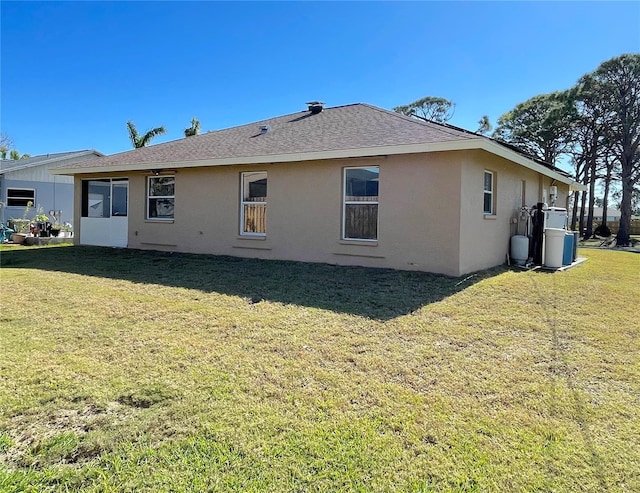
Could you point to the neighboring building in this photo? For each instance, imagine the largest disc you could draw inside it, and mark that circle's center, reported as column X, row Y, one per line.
column 613, row 214
column 29, row 180
column 613, row 219
column 350, row 185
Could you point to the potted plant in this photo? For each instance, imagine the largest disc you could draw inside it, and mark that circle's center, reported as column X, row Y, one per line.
column 21, row 226
column 41, row 220
column 55, row 229
column 67, row 228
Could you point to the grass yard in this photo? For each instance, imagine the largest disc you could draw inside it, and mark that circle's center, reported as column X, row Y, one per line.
column 138, row 371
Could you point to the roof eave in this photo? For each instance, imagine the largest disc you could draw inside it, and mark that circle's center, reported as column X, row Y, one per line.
column 51, row 160
column 262, row 159
column 453, row 145
column 505, row 152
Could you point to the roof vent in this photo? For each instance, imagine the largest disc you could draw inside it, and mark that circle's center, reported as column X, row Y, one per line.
column 315, row 107
column 264, row 129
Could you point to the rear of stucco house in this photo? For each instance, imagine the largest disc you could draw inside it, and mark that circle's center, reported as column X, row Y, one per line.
column 351, row 185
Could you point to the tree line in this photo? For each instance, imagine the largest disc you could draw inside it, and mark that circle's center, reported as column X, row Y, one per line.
column 594, row 125
column 5, row 149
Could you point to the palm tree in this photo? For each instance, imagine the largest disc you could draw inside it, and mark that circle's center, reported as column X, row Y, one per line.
column 194, row 129
column 13, row 154
column 142, row 141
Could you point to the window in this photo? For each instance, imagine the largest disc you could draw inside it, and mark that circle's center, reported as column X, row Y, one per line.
column 160, row 197
column 119, row 197
column 19, row 197
column 105, row 197
column 96, row 198
column 489, row 185
column 253, row 208
column 360, row 203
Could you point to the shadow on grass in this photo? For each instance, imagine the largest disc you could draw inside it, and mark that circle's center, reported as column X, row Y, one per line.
column 375, row 293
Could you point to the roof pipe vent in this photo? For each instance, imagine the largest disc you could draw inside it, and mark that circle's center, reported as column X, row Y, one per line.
column 315, row 107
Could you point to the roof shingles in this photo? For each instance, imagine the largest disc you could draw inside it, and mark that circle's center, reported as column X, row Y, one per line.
column 7, row 165
column 352, row 126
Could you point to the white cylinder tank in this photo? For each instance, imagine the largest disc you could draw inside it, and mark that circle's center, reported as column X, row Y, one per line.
column 519, row 249
column 554, row 247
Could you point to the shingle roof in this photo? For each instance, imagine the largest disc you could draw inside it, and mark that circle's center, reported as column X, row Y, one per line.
column 353, row 126
column 355, row 130
column 7, row 165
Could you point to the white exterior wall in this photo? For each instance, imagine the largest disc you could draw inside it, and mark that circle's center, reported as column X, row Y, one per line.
column 52, row 192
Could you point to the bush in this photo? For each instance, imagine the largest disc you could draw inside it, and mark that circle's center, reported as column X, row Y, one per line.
column 603, row 231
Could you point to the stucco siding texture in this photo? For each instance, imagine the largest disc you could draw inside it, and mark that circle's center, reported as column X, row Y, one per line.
column 419, row 197
column 484, row 240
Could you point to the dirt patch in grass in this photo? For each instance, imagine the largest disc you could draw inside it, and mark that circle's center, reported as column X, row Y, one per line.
column 147, row 396
column 54, row 435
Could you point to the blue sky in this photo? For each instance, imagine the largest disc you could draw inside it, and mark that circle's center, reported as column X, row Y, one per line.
column 73, row 73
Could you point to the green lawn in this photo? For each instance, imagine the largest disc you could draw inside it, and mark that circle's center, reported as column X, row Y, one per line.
column 137, row 371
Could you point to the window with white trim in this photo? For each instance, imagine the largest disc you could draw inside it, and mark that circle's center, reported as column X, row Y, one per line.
column 253, row 203
column 20, row 197
column 489, row 196
column 360, row 203
column 161, row 196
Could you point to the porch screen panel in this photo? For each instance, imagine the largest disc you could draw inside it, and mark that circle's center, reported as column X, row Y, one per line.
column 96, row 198
column 119, row 202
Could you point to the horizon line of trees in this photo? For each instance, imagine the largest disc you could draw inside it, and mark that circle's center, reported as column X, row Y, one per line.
column 594, row 124
column 6, row 145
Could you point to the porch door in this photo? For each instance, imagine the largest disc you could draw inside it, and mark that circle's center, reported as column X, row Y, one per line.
column 119, row 213
column 105, row 205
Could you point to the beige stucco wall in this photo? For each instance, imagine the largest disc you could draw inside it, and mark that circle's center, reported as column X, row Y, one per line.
column 430, row 212
column 418, row 213
column 484, row 240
